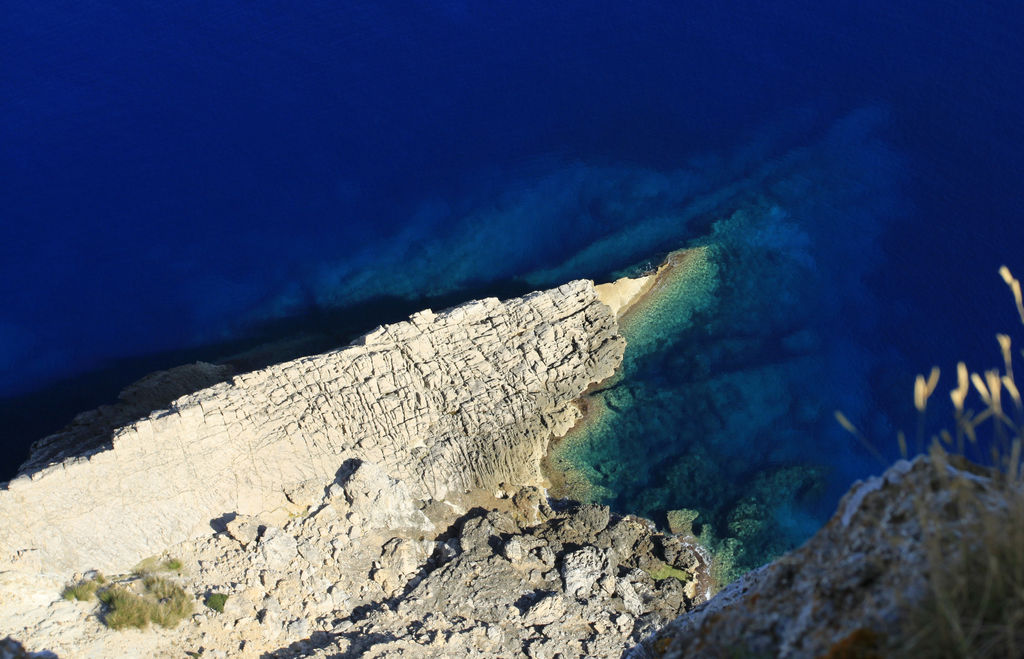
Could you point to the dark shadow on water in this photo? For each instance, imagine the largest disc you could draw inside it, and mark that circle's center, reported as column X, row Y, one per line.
column 27, row 417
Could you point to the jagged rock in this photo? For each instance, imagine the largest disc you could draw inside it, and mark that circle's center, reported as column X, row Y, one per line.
column 305, row 494
column 244, row 529
column 385, row 503
column 403, row 556
column 310, row 553
column 671, row 592
column 476, row 534
column 591, row 518
column 502, row 523
column 630, row 599
column 545, row 556
column 581, row 570
column 546, row 610
column 513, row 550
column 271, row 615
column 278, row 549
column 531, row 506
column 478, row 603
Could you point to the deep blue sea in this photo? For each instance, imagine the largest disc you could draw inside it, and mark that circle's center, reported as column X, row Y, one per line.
column 182, row 181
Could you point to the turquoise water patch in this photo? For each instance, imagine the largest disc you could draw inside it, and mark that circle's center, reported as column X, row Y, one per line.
column 723, row 405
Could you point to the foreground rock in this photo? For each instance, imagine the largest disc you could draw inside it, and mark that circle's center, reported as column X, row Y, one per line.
column 852, row 589
column 577, row 584
column 444, row 403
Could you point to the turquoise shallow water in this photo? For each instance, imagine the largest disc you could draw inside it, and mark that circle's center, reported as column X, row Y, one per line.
column 735, row 366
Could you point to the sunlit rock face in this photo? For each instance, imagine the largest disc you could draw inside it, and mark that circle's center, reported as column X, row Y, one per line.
column 444, row 402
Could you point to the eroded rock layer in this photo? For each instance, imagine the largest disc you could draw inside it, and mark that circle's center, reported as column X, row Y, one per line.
column 443, row 402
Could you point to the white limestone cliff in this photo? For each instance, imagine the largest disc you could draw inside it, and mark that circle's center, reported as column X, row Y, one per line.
column 444, row 402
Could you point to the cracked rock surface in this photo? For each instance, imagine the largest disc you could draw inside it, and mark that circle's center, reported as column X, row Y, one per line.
column 443, row 402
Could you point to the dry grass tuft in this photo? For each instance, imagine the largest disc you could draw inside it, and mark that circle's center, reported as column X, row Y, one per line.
column 974, row 605
column 138, row 600
column 161, row 602
column 83, row 591
column 153, row 565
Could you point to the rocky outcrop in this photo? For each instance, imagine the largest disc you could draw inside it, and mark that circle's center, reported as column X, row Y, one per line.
column 851, row 589
column 367, row 571
column 442, row 403
column 578, row 583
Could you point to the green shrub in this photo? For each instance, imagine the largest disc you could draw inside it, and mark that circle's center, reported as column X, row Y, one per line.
column 83, row 591
column 216, row 601
column 162, row 602
column 172, row 565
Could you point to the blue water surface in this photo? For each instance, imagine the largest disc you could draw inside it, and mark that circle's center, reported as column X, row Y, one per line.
column 183, row 181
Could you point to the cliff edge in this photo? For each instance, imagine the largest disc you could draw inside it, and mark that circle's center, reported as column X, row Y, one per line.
column 443, row 402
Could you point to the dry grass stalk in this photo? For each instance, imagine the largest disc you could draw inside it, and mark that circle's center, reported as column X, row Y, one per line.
column 975, row 601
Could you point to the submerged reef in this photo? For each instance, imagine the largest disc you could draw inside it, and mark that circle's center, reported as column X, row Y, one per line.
column 710, row 412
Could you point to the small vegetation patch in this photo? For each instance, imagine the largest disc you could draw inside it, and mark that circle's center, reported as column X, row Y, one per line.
column 153, row 565
column 666, row 571
column 161, row 602
column 216, row 601
column 172, row 565
column 83, row 591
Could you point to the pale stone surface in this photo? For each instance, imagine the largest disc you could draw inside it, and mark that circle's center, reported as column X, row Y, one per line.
column 443, row 403
column 502, row 593
column 622, row 293
column 581, row 570
column 390, row 592
column 244, row 529
column 383, row 502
